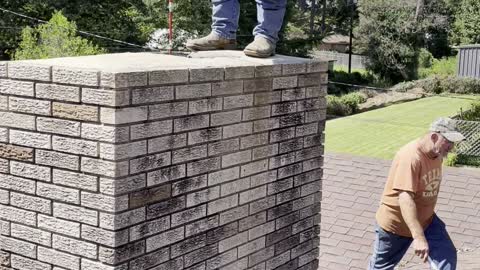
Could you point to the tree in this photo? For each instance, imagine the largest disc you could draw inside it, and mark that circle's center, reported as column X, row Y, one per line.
column 467, row 23
column 57, row 38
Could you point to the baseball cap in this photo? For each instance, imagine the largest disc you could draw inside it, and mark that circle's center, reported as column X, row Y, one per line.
column 448, row 128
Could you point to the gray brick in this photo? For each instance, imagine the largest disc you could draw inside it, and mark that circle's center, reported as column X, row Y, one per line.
column 104, row 168
column 202, row 196
column 314, row 163
column 32, row 106
column 149, row 195
column 236, row 158
column 172, row 264
column 19, row 262
column 105, row 133
column 56, row 159
column 252, row 221
column 188, row 245
column 261, row 256
column 30, row 139
column 285, row 82
column 235, row 186
column 104, row 237
column 150, row 260
column 17, row 246
column 76, row 247
column 302, row 249
column 254, row 140
column 308, row 177
column 287, row 220
column 317, row 66
column 282, row 160
column 123, row 220
column 123, row 151
column 282, row 134
column 3, row 69
column 266, row 124
column 58, row 258
column 193, row 91
column 30, row 171
column 267, row 98
column 191, row 122
column 222, row 259
column 104, row 202
column 169, row 76
column 95, row 265
column 189, row 215
column 32, row 235
column 256, row 113
column 257, row 85
column 303, row 202
column 254, row 167
column 166, row 207
column 223, row 176
column 58, row 126
column 292, row 119
column 222, row 204
column 280, row 185
column 240, row 101
column 4, row 165
column 311, row 104
column 150, row 162
column 239, row 72
column 224, row 146
column 57, row 92
column 16, row 120
column 75, row 112
column 199, row 255
column 167, row 110
column 149, row 228
column 308, row 257
column 105, row 97
column 268, row 71
column 237, row 265
column 204, row 135
column 315, row 116
column 30, row 203
column 278, row 260
column 4, row 196
column 166, row 175
column 201, row 225
column 123, row 115
column 317, row 91
column 164, row 239
column 253, row 194
column 222, row 232
column 56, row 225
column 309, row 129
column 121, row 80
column 291, row 145
column 75, row 213
column 251, row 247
column 152, row 94
column 312, row 79
column 284, row 108
column 121, row 254
column 225, row 118
column 233, row 241
column 17, row 183
column 74, row 146
column 189, row 184
column 206, row 74
column 262, row 205
column 18, row 88
column 58, row 193
column 76, row 180
column 166, row 143
column 9, row 213
column 190, row 153
column 302, row 225
column 237, row 130
column 293, row 94
column 289, row 69
column 227, row 88
column 4, row 103
column 205, row 105
column 124, row 185
column 203, row 166
column 278, row 236
column 233, row 214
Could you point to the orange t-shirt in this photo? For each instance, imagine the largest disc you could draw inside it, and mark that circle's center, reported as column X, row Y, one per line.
column 412, row 170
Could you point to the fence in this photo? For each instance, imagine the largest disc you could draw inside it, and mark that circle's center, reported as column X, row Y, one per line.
column 471, row 145
column 469, row 61
column 358, row 61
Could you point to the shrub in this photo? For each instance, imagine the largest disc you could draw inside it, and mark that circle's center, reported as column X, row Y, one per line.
column 346, row 104
column 439, row 85
column 451, row 159
column 440, row 67
column 425, row 58
column 473, row 114
column 468, row 160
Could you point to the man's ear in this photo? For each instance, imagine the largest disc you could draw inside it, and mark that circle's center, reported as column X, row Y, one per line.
column 434, row 137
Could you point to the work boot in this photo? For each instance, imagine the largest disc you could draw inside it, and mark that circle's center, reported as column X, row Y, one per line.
column 211, row 42
column 260, row 47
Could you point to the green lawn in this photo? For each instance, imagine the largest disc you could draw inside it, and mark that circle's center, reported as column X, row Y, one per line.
column 380, row 133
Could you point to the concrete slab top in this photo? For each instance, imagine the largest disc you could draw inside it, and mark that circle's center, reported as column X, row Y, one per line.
column 131, row 62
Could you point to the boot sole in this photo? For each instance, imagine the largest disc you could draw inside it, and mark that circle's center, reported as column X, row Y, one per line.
column 211, row 48
column 257, row 54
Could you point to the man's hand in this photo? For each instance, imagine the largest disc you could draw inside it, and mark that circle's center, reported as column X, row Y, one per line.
column 420, row 246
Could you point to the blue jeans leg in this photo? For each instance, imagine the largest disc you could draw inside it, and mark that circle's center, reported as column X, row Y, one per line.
column 388, row 250
column 443, row 255
column 225, row 14
column 270, row 15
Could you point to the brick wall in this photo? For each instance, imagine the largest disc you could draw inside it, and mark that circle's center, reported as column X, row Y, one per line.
column 147, row 161
column 351, row 191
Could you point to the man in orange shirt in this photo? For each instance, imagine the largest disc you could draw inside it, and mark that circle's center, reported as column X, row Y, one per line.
column 406, row 214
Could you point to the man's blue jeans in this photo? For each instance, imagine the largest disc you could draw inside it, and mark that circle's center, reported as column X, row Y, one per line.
column 270, row 15
column 389, row 248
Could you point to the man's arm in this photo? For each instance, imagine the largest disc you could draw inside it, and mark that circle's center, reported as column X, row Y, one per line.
column 409, row 214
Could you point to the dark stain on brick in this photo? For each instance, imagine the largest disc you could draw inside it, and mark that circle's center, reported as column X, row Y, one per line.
column 221, row 233
column 287, row 244
column 150, row 195
column 209, row 133
column 280, row 211
column 278, row 236
column 292, row 120
column 200, row 255
column 290, row 265
column 166, row 207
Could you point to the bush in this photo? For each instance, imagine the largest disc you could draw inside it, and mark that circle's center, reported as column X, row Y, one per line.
column 473, row 114
column 440, row 67
column 357, row 77
column 451, row 159
column 438, row 85
column 346, row 104
column 468, row 160
column 425, row 58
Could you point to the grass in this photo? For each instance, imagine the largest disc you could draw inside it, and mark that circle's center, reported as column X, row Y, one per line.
column 380, row 133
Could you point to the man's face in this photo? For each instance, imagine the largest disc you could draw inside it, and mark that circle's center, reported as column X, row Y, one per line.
column 442, row 146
